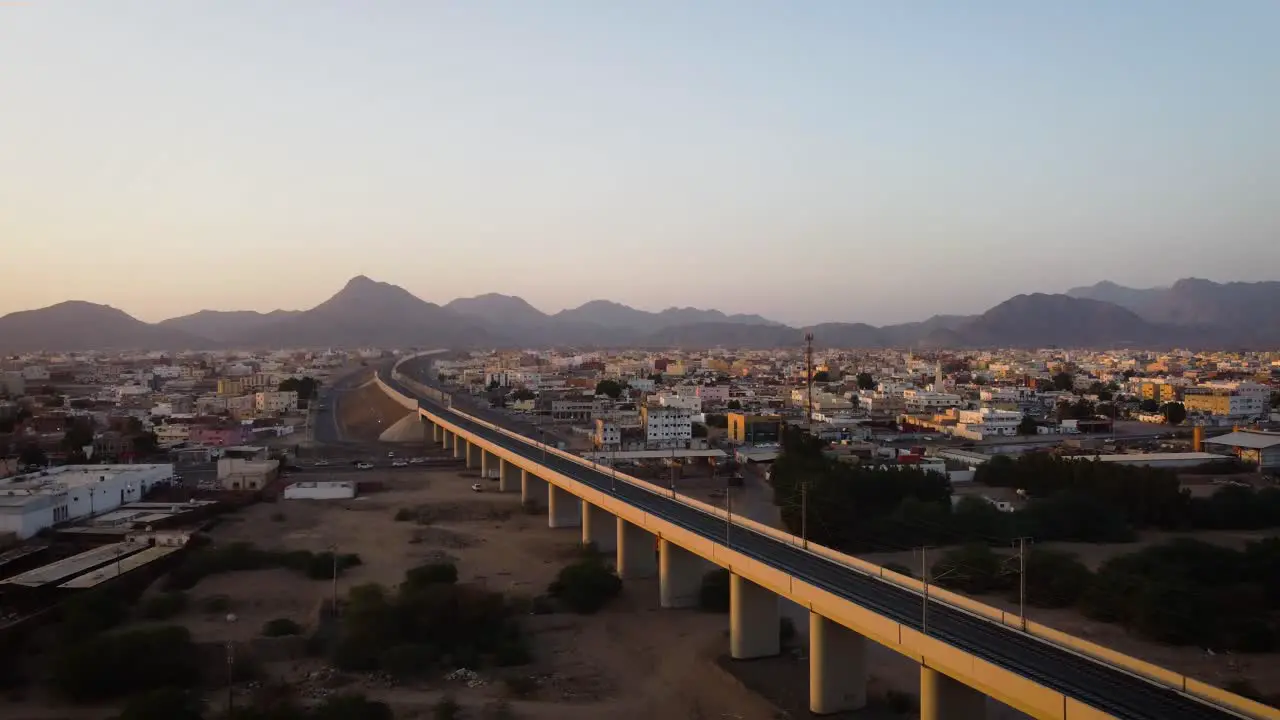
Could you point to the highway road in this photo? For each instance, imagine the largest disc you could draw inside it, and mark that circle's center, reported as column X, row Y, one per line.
column 1104, row 687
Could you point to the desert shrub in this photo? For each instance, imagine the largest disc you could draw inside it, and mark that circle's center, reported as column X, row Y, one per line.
column 281, row 627
column 431, row 573
column 110, row 666
column 585, row 586
column 164, row 606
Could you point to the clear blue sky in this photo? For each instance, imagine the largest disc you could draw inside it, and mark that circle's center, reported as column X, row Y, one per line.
column 842, row 160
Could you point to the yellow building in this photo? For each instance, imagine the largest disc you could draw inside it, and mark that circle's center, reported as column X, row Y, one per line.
column 1160, row 392
column 754, row 429
column 230, row 387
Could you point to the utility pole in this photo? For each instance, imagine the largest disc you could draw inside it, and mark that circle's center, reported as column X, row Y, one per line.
column 808, row 425
column 924, row 577
column 728, row 507
column 231, row 677
column 1022, row 583
column 333, row 549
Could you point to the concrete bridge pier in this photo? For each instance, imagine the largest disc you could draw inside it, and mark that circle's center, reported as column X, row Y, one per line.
column 485, row 457
column 508, row 476
column 837, row 667
column 533, row 489
column 754, row 621
column 437, row 434
column 599, row 526
column 679, row 576
column 459, row 445
column 473, row 453
column 635, row 546
column 564, row 509
column 943, row 698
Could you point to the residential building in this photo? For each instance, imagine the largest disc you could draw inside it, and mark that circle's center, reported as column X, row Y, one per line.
column 666, row 426
column 229, row 387
column 276, row 403
column 607, row 436
column 1219, row 400
column 13, row 384
column 580, row 409
column 987, row 422
column 713, row 394
column 221, row 435
column 927, row 401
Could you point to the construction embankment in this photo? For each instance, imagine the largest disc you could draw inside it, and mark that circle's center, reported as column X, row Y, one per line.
column 367, row 414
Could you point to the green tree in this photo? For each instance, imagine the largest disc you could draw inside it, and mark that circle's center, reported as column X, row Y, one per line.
column 1063, row 381
column 612, row 388
column 734, row 405
column 306, row 387
column 1174, row 413
column 972, row 569
column 78, row 435
column 865, row 381
column 1149, row 406
column 586, row 585
column 1275, row 400
column 822, row 376
column 1028, row 426
column 1055, row 579
column 699, row 430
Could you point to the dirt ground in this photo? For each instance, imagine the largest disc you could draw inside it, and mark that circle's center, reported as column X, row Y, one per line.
column 629, row 661
column 365, row 412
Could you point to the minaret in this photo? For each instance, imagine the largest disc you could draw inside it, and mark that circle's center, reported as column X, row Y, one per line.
column 937, row 377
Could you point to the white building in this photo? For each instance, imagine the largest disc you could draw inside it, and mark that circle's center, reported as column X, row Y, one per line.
column 172, row 434
column 35, row 501
column 320, row 490
column 987, row 422
column 667, row 426
column 275, row 403
column 692, row 403
column 713, row 393
column 927, row 401
column 35, row 373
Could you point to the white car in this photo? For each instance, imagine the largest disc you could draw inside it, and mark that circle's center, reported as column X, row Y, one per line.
column 391, row 453
column 399, row 463
column 364, row 466
column 417, row 460
column 476, row 488
column 322, row 463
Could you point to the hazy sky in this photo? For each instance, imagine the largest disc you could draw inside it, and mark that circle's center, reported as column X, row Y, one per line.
column 842, row 160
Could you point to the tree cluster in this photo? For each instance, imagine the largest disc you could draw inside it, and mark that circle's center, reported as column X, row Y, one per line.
column 239, row 556
column 848, row 506
column 586, row 585
column 1191, row 592
column 307, row 387
column 612, row 388
column 1107, row 498
column 107, row 666
column 426, row 622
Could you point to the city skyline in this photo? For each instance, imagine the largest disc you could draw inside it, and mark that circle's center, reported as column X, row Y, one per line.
column 799, row 164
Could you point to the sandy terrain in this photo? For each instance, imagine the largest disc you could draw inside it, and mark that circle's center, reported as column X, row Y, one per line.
column 363, row 413
column 630, row 661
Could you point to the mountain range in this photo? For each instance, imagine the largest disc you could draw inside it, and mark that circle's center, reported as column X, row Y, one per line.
column 1189, row 313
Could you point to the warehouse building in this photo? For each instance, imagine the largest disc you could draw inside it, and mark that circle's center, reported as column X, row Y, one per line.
column 32, row 502
column 1251, row 446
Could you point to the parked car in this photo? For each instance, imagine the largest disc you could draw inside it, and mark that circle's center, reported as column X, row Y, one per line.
column 322, row 463
column 417, row 460
column 364, row 466
column 391, row 453
column 399, row 463
column 476, row 488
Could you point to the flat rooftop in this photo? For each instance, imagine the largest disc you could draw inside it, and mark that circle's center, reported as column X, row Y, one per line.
column 114, row 570
column 653, row 454
column 1203, row 457
column 75, row 565
column 73, row 476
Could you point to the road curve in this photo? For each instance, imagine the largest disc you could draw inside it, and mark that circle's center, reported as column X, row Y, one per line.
column 1092, row 682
